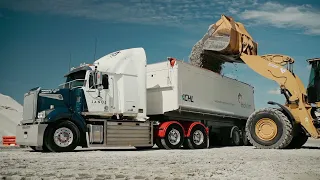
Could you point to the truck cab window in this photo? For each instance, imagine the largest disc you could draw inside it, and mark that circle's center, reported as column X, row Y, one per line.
column 105, row 81
column 91, row 83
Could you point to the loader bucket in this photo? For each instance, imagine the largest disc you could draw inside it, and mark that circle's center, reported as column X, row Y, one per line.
column 224, row 42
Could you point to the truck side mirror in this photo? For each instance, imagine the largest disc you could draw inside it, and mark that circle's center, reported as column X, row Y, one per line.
column 98, row 78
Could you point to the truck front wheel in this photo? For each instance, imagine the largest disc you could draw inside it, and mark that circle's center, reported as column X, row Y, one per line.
column 269, row 128
column 40, row 149
column 62, row 137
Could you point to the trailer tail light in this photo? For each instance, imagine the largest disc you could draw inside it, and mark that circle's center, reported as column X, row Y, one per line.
column 172, row 61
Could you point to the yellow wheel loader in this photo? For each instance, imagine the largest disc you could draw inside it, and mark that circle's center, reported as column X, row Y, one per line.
column 286, row 125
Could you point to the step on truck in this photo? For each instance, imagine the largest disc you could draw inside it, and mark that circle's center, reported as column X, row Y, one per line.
column 120, row 100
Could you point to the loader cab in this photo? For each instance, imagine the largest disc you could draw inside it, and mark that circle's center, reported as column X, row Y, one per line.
column 313, row 89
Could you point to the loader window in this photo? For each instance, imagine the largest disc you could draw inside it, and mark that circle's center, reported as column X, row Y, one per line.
column 313, row 88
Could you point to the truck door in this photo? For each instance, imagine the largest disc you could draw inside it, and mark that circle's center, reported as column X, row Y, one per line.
column 97, row 97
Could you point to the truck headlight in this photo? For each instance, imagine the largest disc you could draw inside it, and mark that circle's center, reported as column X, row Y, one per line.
column 42, row 115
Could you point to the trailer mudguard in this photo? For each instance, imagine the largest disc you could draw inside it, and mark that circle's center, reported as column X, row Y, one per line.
column 194, row 124
column 163, row 128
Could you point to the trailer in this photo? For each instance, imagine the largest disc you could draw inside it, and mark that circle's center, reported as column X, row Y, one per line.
column 120, row 100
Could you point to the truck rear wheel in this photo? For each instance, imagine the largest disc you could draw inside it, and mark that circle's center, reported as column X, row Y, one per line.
column 269, row 128
column 62, row 137
column 198, row 138
column 174, row 137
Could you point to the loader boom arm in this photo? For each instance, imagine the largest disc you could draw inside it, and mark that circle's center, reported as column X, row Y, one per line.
column 290, row 85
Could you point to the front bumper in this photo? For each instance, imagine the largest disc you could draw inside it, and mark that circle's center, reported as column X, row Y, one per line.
column 30, row 135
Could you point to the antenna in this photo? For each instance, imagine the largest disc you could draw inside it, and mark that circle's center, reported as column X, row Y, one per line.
column 69, row 61
column 95, row 49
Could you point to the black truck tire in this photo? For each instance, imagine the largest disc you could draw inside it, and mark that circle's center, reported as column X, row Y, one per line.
column 235, row 136
column 158, row 143
column 173, row 130
column 40, row 149
column 56, row 144
column 193, row 142
column 245, row 140
column 277, row 130
column 143, row 147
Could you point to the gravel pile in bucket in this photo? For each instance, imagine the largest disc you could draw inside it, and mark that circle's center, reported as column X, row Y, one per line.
column 200, row 58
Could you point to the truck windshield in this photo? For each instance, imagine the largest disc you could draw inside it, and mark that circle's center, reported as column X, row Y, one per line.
column 73, row 80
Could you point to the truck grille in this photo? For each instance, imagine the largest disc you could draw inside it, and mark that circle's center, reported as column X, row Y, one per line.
column 30, row 106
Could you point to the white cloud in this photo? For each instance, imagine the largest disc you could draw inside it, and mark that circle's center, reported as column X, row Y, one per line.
column 161, row 12
column 274, row 91
column 179, row 13
column 285, row 16
column 168, row 12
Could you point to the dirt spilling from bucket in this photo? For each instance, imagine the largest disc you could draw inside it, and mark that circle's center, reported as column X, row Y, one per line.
column 200, row 58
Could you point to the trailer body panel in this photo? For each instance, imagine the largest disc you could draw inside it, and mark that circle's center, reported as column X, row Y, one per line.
column 188, row 88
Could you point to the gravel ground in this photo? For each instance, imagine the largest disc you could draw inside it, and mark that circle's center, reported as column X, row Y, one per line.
column 243, row 162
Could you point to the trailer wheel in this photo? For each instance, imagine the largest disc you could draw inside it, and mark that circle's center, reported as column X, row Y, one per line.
column 158, row 143
column 235, row 136
column 62, row 137
column 269, row 128
column 245, row 140
column 174, row 137
column 198, row 138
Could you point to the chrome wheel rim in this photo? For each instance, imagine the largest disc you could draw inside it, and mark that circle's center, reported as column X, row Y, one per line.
column 198, row 137
column 63, row 137
column 174, row 136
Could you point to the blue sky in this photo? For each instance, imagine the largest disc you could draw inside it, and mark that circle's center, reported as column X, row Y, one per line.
column 38, row 36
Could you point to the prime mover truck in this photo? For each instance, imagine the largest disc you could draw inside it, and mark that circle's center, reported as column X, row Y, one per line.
column 120, row 100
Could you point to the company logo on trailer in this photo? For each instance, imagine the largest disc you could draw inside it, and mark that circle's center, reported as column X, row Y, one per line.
column 243, row 105
column 187, row 97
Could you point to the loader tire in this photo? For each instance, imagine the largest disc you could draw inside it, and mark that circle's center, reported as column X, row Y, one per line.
column 269, row 128
column 62, row 144
column 299, row 139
